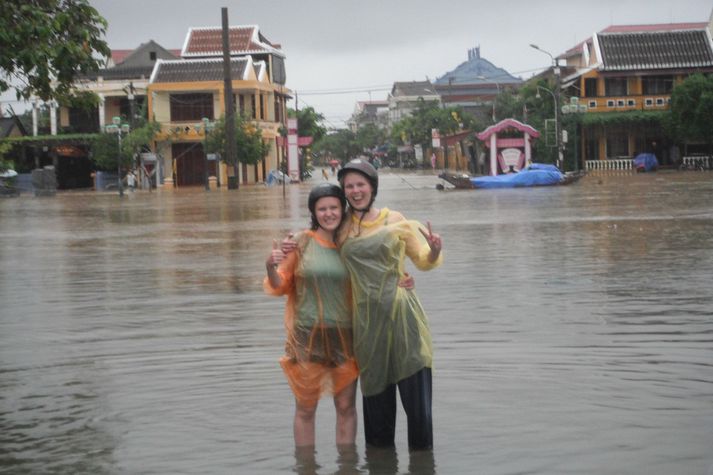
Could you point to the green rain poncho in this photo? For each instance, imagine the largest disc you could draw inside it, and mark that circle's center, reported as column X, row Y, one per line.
column 391, row 336
column 318, row 358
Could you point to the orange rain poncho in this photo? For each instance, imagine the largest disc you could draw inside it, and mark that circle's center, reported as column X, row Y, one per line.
column 391, row 336
column 319, row 356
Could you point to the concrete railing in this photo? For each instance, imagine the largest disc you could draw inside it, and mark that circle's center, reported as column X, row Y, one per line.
column 697, row 163
column 614, row 164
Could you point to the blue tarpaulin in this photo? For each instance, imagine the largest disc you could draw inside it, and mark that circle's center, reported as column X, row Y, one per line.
column 276, row 177
column 537, row 174
column 646, row 162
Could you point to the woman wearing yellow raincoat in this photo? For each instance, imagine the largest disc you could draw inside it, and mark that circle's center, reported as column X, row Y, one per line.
column 392, row 341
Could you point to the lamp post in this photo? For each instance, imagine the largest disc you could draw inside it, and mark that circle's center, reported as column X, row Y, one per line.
column 118, row 128
column 556, row 96
column 497, row 86
column 575, row 108
column 207, row 127
column 554, row 100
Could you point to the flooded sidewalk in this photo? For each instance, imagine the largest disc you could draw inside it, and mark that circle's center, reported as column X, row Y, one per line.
column 571, row 326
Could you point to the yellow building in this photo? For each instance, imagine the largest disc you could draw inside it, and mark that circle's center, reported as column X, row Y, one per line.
column 626, row 73
column 184, row 92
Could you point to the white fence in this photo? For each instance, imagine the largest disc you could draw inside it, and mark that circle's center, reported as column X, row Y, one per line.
column 697, row 163
column 614, row 164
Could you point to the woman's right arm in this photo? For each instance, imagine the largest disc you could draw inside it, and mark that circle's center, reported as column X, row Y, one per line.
column 273, row 260
column 280, row 271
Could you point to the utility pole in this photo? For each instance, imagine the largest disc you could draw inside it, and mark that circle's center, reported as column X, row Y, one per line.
column 230, row 151
column 558, row 125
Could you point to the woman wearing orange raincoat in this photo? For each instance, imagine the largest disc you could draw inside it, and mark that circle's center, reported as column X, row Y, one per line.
column 319, row 356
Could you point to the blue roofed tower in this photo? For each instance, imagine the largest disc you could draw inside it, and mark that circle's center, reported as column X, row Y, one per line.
column 474, row 84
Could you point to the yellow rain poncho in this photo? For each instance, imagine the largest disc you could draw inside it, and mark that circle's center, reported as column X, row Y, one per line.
column 391, row 336
column 319, row 357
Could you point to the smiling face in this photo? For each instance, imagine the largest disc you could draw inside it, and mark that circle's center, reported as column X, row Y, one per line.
column 358, row 190
column 328, row 211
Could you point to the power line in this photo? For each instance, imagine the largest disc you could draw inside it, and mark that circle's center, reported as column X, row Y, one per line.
column 349, row 90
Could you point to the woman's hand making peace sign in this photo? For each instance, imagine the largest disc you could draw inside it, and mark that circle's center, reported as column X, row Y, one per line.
column 434, row 242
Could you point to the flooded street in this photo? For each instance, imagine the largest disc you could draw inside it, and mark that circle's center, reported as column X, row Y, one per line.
column 572, row 331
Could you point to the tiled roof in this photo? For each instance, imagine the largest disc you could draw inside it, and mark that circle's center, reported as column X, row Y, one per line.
column 208, row 41
column 7, row 124
column 413, row 88
column 119, row 72
column 635, row 29
column 118, row 55
column 655, row 50
column 656, row 27
column 196, row 70
column 134, row 63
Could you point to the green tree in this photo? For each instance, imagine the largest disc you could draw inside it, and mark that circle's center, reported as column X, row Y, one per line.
column 416, row 128
column 340, row 144
column 249, row 145
column 105, row 149
column 46, row 44
column 107, row 153
column 691, row 117
column 370, row 136
column 4, row 163
column 309, row 123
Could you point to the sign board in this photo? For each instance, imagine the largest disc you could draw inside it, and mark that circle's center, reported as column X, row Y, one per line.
column 435, row 138
column 511, row 158
column 418, row 152
column 148, row 157
column 293, row 160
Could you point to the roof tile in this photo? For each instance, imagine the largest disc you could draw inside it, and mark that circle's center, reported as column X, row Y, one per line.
column 655, row 50
column 189, row 70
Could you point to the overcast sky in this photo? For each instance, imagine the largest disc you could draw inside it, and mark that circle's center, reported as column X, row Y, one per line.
column 367, row 45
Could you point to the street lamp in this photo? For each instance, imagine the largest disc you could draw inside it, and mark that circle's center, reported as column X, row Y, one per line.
column 575, row 108
column 556, row 96
column 116, row 127
column 554, row 99
column 497, row 86
column 207, row 127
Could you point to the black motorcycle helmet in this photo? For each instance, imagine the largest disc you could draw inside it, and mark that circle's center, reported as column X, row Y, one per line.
column 320, row 191
column 365, row 168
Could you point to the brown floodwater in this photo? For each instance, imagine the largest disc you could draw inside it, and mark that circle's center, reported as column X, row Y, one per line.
column 572, row 330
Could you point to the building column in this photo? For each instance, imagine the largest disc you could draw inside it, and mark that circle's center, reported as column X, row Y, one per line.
column 53, row 118
column 528, row 151
column 494, row 154
column 34, row 118
column 102, row 112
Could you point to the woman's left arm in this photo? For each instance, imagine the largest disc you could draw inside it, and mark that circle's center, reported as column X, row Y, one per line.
column 434, row 242
column 422, row 246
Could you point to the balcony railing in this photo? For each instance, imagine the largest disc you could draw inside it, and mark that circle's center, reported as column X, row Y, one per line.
column 697, row 163
column 610, row 165
column 624, row 103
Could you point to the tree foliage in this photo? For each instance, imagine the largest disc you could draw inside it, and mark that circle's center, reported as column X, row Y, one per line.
column 5, row 147
column 691, row 116
column 340, row 145
column 250, row 147
column 416, row 128
column 46, row 44
column 370, row 136
column 106, row 151
column 309, row 122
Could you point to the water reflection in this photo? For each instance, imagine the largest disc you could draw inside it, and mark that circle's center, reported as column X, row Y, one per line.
column 571, row 328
